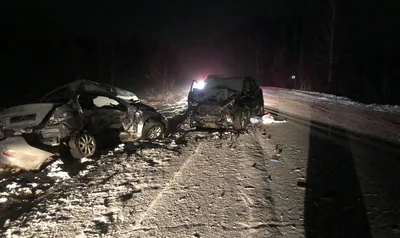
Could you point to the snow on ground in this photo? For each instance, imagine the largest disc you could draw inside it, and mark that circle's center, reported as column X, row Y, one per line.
column 297, row 172
column 215, row 183
column 330, row 99
column 344, row 115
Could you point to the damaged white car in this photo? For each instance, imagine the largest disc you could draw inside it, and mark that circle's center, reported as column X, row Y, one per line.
column 74, row 118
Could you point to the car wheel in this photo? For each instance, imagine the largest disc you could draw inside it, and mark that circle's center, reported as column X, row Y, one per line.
column 153, row 130
column 240, row 120
column 83, row 145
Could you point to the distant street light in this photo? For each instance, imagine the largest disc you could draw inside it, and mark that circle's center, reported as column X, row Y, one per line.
column 294, row 81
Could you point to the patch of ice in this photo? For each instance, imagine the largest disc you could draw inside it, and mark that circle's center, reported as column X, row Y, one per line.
column 3, row 200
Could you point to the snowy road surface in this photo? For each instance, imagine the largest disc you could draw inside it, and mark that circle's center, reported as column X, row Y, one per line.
column 330, row 171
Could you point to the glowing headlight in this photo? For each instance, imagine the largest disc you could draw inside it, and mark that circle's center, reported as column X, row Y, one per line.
column 199, row 84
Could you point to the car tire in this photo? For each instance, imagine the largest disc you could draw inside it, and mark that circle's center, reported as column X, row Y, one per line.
column 240, row 119
column 83, row 145
column 153, row 130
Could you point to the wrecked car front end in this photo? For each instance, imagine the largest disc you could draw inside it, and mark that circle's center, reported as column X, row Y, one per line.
column 212, row 115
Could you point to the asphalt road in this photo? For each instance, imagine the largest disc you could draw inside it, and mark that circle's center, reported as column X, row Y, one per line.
column 351, row 180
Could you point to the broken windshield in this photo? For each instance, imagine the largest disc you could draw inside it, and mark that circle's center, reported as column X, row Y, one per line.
column 235, row 84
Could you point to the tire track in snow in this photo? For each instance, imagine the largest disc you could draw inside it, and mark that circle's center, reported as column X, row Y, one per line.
column 156, row 200
column 263, row 218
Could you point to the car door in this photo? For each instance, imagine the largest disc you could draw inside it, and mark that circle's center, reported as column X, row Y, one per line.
column 102, row 112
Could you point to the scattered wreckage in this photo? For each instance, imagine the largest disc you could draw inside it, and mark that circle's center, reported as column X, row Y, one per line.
column 224, row 102
column 73, row 118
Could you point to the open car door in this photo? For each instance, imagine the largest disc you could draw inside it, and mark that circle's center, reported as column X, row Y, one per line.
column 196, row 88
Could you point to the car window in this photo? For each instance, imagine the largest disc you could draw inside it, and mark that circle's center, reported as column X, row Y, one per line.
column 90, row 101
column 101, row 101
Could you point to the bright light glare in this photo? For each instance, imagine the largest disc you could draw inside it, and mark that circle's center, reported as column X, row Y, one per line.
column 199, row 84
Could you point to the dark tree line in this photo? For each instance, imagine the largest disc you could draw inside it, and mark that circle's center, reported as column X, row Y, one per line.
column 343, row 47
column 348, row 48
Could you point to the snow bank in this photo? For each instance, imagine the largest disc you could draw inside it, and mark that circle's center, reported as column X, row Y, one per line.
column 327, row 98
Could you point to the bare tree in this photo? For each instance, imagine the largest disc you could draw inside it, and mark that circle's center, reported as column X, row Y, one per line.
column 162, row 74
column 279, row 69
column 161, row 77
column 327, row 55
column 331, row 40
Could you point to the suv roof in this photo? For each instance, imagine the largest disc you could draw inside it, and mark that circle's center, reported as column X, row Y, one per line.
column 228, row 77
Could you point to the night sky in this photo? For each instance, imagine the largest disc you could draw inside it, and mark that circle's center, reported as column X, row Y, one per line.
column 50, row 43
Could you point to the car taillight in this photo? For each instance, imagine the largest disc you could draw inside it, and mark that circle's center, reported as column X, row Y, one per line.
column 8, row 153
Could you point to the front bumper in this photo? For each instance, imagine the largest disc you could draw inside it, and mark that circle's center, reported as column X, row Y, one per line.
column 15, row 151
column 211, row 121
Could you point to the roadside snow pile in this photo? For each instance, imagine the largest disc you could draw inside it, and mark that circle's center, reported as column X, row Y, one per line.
column 385, row 108
column 346, row 101
column 328, row 98
column 324, row 97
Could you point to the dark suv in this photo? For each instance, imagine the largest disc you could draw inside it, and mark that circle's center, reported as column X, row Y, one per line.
column 225, row 102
